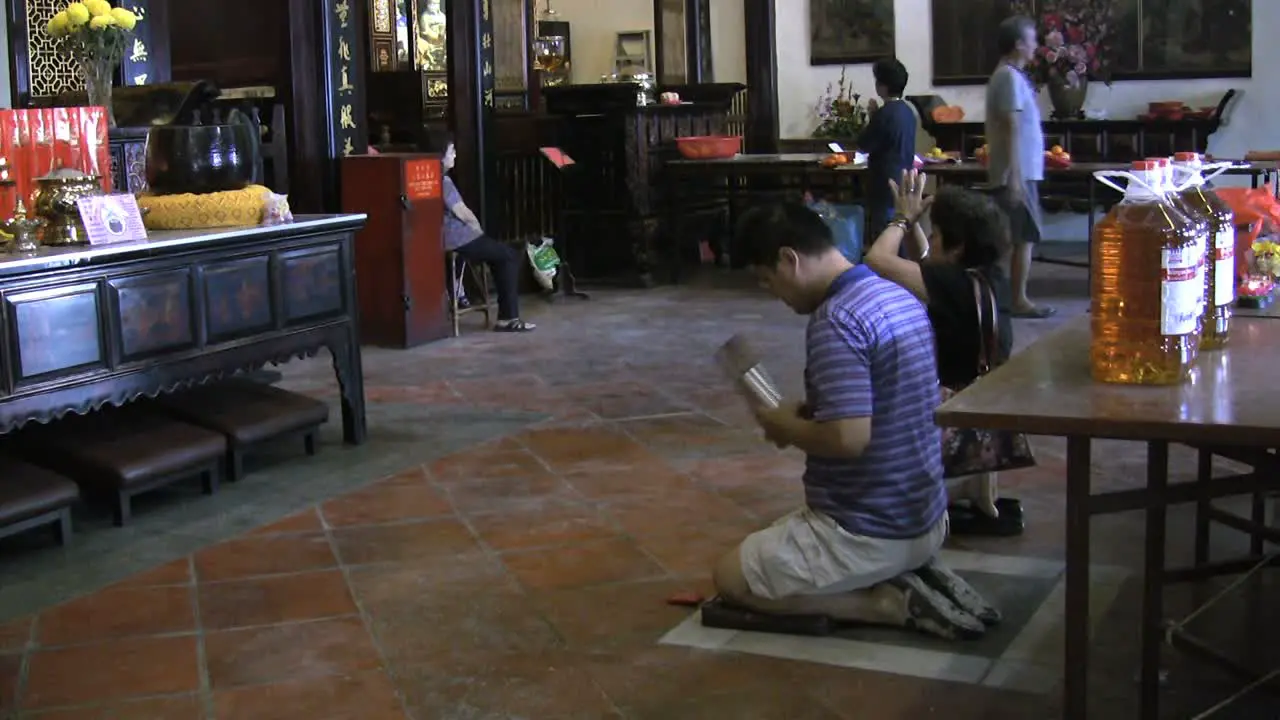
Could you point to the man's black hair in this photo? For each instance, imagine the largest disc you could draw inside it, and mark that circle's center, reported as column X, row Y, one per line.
column 764, row 230
column 1011, row 31
column 891, row 74
column 972, row 222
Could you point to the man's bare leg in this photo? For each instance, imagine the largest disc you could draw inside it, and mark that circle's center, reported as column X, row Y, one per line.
column 1020, row 272
column 906, row 601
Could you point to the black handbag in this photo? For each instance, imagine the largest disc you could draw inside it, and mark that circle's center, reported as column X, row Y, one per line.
column 968, row 451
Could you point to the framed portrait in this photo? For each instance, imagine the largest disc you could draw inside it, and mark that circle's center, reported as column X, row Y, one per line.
column 845, row 32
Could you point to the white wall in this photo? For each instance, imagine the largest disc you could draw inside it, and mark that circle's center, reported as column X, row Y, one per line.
column 728, row 41
column 1252, row 119
column 593, row 28
column 594, row 24
column 1252, row 124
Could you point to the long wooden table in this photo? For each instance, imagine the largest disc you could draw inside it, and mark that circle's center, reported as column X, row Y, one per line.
column 1229, row 406
column 93, row 326
column 689, row 181
column 1270, row 311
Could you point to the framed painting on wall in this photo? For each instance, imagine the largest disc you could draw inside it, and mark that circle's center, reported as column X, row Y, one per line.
column 1143, row 39
column 1194, row 39
column 964, row 38
column 843, row 32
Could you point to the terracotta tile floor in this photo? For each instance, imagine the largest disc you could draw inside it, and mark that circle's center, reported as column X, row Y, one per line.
column 526, row 578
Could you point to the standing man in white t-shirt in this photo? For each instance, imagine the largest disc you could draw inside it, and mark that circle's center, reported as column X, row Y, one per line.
column 1015, row 153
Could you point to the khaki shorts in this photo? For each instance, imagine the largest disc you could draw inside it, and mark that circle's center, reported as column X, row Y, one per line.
column 808, row 553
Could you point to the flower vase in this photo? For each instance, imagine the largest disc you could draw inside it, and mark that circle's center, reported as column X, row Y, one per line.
column 98, row 80
column 1068, row 101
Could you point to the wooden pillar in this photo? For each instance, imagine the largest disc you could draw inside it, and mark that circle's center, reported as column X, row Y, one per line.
column 470, row 46
column 762, row 77
column 146, row 61
column 338, row 69
column 312, row 181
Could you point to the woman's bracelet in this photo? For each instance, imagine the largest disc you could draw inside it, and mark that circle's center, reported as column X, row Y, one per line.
column 903, row 222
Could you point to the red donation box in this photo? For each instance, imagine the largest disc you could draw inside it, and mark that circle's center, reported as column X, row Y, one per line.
column 400, row 273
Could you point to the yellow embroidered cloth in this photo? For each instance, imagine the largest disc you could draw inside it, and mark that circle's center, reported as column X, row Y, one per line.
column 234, row 208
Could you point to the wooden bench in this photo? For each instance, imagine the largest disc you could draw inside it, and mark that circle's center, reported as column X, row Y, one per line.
column 32, row 497
column 248, row 414
column 121, row 453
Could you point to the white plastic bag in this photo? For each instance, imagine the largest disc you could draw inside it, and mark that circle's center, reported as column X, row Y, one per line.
column 276, row 211
column 544, row 260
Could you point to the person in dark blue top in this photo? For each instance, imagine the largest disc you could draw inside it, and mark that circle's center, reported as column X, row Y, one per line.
column 890, row 141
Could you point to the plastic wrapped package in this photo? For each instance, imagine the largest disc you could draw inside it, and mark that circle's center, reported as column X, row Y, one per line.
column 276, row 209
column 39, row 141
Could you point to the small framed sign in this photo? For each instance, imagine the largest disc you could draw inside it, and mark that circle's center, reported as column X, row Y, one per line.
column 422, row 179
column 557, row 157
column 112, row 219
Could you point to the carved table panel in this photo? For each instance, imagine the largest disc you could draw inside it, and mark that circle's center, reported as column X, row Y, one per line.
column 87, row 327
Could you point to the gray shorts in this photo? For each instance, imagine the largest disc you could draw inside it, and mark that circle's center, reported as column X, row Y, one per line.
column 1025, row 217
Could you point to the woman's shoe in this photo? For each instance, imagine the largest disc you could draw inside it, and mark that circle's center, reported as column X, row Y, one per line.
column 968, row 520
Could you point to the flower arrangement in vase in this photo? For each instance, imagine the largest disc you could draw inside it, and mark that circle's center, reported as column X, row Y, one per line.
column 841, row 112
column 95, row 35
column 1075, row 50
column 1266, row 258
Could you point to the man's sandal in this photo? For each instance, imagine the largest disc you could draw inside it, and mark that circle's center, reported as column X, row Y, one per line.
column 513, row 326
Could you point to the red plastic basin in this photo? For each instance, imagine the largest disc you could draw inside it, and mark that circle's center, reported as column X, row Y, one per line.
column 709, row 147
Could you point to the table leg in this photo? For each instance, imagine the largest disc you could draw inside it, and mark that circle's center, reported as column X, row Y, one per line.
column 1076, row 656
column 348, row 366
column 1204, row 473
column 1088, row 238
column 1153, row 579
column 674, row 230
column 733, row 188
column 1258, row 515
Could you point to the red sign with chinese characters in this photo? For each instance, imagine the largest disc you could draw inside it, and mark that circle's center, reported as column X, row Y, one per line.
column 422, row 179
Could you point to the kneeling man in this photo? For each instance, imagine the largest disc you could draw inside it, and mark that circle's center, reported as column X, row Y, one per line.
column 875, row 515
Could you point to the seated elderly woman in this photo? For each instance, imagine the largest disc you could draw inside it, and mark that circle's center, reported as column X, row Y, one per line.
column 949, row 269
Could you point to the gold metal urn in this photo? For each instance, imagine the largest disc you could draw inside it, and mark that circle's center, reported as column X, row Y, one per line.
column 55, row 203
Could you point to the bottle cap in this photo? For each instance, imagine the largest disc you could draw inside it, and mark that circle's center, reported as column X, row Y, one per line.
column 1159, row 161
column 1186, row 156
column 1146, row 165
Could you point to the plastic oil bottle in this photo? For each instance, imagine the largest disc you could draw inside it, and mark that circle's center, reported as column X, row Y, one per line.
column 1146, row 289
column 1204, row 230
column 1220, row 263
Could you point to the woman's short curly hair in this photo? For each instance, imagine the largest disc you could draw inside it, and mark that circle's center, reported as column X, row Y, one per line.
column 972, row 222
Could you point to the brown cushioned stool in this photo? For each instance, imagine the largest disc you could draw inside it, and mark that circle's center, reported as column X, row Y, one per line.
column 249, row 413
column 31, row 497
column 120, row 453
